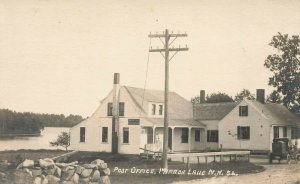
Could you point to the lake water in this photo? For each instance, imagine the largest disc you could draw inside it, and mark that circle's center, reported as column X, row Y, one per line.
column 41, row 142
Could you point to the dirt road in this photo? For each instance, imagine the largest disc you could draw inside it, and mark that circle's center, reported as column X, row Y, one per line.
column 274, row 174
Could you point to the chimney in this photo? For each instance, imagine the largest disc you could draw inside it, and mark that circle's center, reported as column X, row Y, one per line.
column 260, row 95
column 202, row 96
column 115, row 113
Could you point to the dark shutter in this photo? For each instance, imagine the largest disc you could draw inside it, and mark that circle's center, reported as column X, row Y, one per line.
column 239, row 132
column 109, row 109
column 246, row 110
column 82, row 134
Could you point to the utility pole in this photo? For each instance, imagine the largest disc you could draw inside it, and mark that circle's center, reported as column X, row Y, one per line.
column 166, row 50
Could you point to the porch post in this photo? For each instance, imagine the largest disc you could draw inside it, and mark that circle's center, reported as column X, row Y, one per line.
column 153, row 138
column 190, row 139
column 172, row 128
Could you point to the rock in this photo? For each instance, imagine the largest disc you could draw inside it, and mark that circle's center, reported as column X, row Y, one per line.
column 105, row 180
column 46, row 163
column 86, row 173
column 50, row 171
column 36, row 171
column 79, row 169
column 37, row 180
column 29, row 172
column 67, row 173
column 57, row 172
column 97, row 162
column 67, row 182
column 102, row 166
column 106, row 172
column 52, row 179
column 26, row 163
column 75, row 179
column 96, row 176
column 45, row 181
column 84, row 180
column 90, row 166
column 66, row 164
column 2, row 175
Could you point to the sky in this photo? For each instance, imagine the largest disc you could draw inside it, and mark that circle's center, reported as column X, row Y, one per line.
column 59, row 56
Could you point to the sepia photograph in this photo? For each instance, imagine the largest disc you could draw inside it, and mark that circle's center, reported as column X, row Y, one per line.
column 152, row 92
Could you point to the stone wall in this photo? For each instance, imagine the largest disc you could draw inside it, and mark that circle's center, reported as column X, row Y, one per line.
column 46, row 171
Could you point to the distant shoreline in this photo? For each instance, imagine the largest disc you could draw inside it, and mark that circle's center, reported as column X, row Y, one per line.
column 11, row 135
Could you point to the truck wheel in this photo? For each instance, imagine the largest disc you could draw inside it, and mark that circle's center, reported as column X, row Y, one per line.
column 270, row 158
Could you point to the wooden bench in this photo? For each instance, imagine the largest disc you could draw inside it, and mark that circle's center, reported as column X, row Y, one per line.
column 151, row 154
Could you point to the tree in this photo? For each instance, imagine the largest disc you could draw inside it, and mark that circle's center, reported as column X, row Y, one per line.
column 274, row 97
column 63, row 140
column 213, row 98
column 245, row 93
column 285, row 66
column 218, row 98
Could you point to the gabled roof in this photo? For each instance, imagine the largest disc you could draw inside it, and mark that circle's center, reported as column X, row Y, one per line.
column 277, row 113
column 213, row 111
column 179, row 108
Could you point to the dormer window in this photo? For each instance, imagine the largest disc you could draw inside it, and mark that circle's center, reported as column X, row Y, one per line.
column 153, row 109
column 243, row 110
column 160, row 110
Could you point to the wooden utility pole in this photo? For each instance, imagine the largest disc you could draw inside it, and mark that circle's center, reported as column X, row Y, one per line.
column 166, row 35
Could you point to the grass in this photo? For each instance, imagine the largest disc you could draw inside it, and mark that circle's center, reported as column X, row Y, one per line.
column 132, row 163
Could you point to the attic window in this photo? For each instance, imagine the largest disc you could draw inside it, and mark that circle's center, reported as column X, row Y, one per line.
column 160, row 110
column 153, row 109
column 243, row 110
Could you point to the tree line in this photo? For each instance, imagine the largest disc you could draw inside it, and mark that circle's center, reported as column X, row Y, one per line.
column 12, row 122
column 284, row 64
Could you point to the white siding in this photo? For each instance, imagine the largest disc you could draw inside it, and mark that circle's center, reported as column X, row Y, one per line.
column 259, row 130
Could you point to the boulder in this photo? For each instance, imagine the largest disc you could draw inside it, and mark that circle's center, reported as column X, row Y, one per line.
column 27, row 171
column 97, row 162
column 90, row 166
column 66, row 164
column 84, row 180
column 57, row 172
column 45, row 181
column 105, row 180
column 37, row 180
column 67, row 182
column 46, row 163
column 67, row 173
column 26, row 163
column 36, row 171
column 49, row 171
column 95, row 176
column 2, row 175
column 106, row 172
column 86, row 173
column 52, row 179
column 75, row 179
column 79, row 169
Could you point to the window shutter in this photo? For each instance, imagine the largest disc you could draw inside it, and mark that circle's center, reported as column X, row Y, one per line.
column 246, row 109
column 239, row 132
column 240, row 110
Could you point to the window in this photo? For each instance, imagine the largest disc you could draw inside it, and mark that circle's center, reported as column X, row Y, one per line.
column 160, row 111
column 243, row 110
column 212, row 136
column 153, row 109
column 184, row 135
column 284, row 132
column 276, row 132
column 243, row 132
column 121, row 108
column 125, row 135
column 82, row 134
column 109, row 109
column 197, row 135
column 149, row 136
column 295, row 132
column 105, row 134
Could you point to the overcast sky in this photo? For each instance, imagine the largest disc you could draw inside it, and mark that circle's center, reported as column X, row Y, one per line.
column 59, row 56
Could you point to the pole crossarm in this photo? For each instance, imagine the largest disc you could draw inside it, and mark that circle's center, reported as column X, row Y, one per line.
column 171, row 49
column 164, row 35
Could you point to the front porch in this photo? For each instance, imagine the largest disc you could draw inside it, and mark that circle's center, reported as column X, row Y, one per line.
column 181, row 138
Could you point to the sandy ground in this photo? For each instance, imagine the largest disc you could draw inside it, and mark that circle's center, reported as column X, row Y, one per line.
column 282, row 173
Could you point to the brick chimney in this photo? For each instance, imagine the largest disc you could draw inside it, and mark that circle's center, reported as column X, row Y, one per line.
column 260, row 95
column 202, row 96
column 115, row 113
